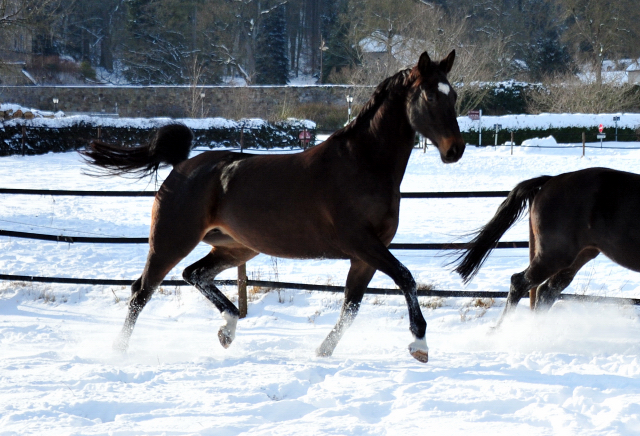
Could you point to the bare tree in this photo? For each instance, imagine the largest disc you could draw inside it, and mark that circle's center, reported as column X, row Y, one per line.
column 601, row 29
column 567, row 94
column 431, row 28
column 195, row 105
column 22, row 12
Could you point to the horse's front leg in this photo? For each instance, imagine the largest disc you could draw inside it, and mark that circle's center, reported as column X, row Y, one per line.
column 372, row 251
column 139, row 297
column 359, row 276
column 142, row 289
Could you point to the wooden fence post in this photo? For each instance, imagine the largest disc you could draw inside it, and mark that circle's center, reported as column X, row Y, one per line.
column 512, row 143
column 532, row 298
column 242, row 290
column 583, row 143
column 24, row 136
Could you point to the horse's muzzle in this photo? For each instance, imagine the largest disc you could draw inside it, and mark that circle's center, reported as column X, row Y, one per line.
column 451, row 149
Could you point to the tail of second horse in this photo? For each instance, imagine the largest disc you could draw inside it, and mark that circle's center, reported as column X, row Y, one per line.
column 485, row 240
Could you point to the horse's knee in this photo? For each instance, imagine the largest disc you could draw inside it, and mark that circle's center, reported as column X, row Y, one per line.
column 136, row 286
column 204, row 270
column 518, row 280
column 187, row 275
column 194, row 274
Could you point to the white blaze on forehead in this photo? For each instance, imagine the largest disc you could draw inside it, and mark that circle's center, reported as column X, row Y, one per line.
column 444, row 88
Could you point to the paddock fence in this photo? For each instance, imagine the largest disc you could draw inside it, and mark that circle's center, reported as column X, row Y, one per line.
column 242, row 282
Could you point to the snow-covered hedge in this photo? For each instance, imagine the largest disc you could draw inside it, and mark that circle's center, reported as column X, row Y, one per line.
column 565, row 128
column 69, row 133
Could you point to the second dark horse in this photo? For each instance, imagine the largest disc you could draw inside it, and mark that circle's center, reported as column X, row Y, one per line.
column 337, row 200
column 573, row 217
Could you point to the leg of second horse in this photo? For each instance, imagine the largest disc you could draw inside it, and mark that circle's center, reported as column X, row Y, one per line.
column 548, row 292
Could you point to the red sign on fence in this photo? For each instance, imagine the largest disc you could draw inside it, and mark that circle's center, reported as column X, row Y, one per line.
column 304, row 135
column 305, row 138
column 474, row 115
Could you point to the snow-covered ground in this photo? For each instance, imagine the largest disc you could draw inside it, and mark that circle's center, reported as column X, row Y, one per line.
column 574, row 371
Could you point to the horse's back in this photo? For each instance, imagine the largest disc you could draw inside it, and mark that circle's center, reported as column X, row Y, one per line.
column 597, row 190
column 288, row 205
column 594, row 207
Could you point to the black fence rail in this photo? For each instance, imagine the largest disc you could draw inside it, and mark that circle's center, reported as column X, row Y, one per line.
column 123, row 240
column 273, row 284
column 62, row 192
column 316, row 288
column 144, row 240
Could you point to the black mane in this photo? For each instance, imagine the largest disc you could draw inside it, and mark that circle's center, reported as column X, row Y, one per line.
column 382, row 92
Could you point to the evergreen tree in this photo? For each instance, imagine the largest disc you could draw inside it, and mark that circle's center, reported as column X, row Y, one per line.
column 547, row 56
column 272, row 65
column 340, row 52
column 540, row 44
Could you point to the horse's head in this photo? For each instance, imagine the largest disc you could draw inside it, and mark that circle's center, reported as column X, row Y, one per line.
column 431, row 106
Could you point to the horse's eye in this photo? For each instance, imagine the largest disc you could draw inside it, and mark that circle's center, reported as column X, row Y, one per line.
column 429, row 97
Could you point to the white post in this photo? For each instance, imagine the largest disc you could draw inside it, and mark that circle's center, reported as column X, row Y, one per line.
column 480, row 128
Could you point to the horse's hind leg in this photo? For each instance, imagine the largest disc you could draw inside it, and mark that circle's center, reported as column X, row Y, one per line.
column 549, row 291
column 520, row 284
column 544, row 266
column 201, row 275
column 359, row 276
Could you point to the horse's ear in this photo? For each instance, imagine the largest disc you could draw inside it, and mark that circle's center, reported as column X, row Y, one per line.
column 447, row 63
column 424, row 64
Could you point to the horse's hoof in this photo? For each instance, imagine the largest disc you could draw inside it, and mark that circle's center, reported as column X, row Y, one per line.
column 120, row 345
column 419, row 350
column 420, row 355
column 224, row 336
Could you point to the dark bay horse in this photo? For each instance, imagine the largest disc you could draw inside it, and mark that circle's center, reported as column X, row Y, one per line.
column 338, row 200
column 573, row 217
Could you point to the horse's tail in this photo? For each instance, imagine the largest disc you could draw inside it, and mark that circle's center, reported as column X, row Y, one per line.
column 485, row 240
column 170, row 145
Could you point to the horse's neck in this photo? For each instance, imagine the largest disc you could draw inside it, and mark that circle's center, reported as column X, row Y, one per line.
column 390, row 137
